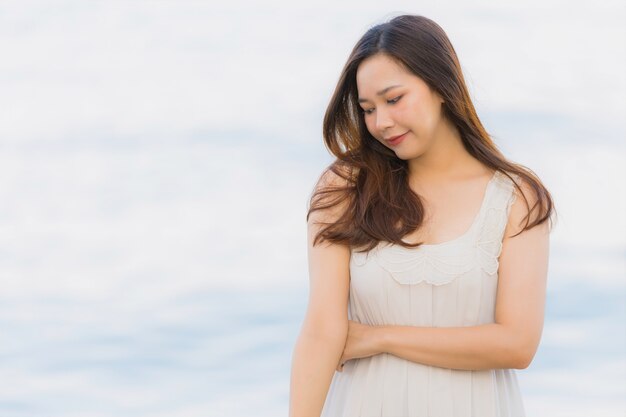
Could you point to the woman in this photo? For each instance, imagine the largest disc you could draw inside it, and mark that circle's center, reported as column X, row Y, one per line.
column 428, row 249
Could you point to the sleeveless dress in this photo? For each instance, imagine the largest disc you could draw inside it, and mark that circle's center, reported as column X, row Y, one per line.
column 449, row 284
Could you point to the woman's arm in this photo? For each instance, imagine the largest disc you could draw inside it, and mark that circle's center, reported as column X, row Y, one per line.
column 510, row 342
column 325, row 327
column 314, row 361
column 488, row 346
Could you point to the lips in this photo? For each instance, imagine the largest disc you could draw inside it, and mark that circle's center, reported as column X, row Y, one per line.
column 394, row 140
column 394, row 137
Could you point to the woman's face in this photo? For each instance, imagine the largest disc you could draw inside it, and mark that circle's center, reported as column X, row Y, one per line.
column 406, row 106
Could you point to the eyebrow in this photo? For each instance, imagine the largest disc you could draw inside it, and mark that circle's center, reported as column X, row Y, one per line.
column 381, row 92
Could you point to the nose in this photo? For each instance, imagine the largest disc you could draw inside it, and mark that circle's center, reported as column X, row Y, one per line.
column 383, row 121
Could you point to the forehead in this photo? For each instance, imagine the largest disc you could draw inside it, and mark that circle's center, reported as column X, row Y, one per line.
column 380, row 69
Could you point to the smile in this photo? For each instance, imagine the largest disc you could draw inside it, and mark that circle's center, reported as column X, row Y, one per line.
column 396, row 139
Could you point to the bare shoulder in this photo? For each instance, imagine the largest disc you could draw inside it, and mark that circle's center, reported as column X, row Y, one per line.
column 329, row 196
column 521, row 211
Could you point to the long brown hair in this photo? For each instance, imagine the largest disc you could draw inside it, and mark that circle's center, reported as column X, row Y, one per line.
column 379, row 204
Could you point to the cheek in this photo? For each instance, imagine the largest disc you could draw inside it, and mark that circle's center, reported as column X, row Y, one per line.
column 408, row 112
column 417, row 114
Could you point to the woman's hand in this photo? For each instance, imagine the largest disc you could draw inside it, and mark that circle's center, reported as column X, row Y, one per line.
column 360, row 343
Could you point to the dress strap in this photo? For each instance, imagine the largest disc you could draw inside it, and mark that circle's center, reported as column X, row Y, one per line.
column 493, row 223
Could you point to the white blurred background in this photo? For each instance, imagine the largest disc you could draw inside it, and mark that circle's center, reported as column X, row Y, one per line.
column 156, row 159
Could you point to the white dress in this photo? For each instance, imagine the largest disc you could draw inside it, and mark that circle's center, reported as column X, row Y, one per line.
column 449, row 284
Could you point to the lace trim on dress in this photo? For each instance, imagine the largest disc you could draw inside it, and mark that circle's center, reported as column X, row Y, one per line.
column 440, row 264
column 433, row 267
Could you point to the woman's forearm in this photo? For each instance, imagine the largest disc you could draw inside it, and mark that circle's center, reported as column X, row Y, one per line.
column 487, row 346
column 315, row 359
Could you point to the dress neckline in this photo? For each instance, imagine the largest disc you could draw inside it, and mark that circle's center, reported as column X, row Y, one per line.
column 471, row 228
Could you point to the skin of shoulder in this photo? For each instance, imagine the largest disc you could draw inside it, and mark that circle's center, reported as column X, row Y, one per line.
column 522, row 279
column 519, row 210
column 329, row 274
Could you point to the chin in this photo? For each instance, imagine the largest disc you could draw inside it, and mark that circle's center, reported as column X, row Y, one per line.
column 407, row 154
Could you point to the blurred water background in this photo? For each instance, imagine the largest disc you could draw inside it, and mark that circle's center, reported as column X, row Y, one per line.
column 156, row 159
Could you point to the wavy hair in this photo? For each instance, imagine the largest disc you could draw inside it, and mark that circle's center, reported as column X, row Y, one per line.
column 377, row 202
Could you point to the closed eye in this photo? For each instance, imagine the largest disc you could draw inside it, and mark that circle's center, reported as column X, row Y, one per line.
column 392, row 101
